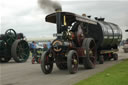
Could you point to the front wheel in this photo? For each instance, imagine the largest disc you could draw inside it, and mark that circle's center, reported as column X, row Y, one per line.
column 46, row 62
column 72, row 62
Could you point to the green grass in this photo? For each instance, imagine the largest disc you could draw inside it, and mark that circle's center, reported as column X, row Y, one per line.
column 115, row 75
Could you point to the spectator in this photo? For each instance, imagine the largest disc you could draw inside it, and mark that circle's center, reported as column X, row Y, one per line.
column 33, row 48
column 45, row 47
column 49, row 44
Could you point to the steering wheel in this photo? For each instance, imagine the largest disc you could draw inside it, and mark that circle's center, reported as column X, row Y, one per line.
column 11, row 33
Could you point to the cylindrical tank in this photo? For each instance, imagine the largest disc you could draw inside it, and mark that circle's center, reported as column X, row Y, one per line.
column 107, row 35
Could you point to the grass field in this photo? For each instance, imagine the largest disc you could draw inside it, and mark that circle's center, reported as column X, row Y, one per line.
column 115, row 75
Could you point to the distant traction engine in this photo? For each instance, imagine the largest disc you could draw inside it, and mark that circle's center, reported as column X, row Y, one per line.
column 14, row 46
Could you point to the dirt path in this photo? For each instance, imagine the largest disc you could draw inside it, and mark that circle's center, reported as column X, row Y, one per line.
column 27, row 74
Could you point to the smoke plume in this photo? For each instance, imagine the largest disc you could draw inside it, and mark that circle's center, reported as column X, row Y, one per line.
column 49, row 6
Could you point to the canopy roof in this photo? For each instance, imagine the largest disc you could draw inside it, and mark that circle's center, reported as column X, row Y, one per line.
column 70, row 18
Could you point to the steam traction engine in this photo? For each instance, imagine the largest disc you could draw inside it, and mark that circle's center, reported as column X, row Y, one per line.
column 13, row 45
column 80, row 40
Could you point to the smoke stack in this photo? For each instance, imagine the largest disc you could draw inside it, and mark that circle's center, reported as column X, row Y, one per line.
column 58, row 10
column 58, row 21
column 49, row 6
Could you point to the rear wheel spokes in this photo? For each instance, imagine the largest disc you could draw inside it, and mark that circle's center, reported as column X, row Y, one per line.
column 21, row 51
column 92, row 54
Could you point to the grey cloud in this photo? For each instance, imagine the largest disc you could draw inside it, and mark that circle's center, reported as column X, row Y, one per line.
column 115, row 12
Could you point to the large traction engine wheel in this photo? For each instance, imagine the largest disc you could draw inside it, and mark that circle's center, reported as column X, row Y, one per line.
column 20, row 51
column 46, row 62
column 90, row 58
column 72, row 61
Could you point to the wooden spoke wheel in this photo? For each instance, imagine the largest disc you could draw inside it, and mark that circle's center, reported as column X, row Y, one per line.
column 46, row 63
column 72, row 61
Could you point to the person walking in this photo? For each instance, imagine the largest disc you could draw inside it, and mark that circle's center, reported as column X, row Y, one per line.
column 45, row 48
column 33, row 48
column 49, row 44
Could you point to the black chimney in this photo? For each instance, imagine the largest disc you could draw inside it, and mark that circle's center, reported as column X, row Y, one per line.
column 58, row 22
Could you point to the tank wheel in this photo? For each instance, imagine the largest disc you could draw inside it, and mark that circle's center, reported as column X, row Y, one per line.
column 72, row 61
column 115, row 56
column 60, row 64
column 20, row 51
column 5, row 59
column 46, row 62
column 33, row 60
column 101, row 59
column 90, row 52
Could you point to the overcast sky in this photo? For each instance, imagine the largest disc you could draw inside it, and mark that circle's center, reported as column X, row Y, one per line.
column 27, row 17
